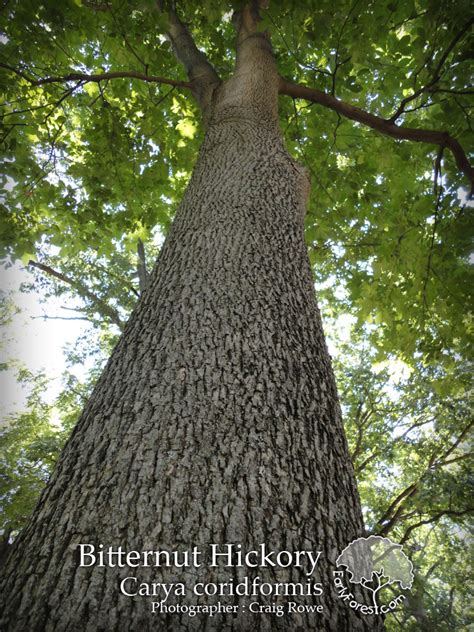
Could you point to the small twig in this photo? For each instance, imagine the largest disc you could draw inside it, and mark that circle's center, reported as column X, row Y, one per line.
column 437, row 192
column 96, row 78
column 46, row 317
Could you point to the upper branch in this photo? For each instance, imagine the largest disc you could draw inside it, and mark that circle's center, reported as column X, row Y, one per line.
column 246, row 21
column 202, row 75
column 254, row 83
column 434, row 137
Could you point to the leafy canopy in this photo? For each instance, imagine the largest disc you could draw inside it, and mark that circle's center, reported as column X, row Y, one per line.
column 88, row 165
column 91, row 169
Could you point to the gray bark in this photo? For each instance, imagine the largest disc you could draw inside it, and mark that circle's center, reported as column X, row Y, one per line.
column 216, row 419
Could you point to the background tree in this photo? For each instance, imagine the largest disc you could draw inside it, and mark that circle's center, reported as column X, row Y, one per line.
column 95, row 162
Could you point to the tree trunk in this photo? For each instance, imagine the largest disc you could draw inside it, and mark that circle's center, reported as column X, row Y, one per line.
column 216, row 419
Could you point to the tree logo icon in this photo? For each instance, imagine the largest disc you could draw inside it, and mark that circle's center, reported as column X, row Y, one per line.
column 374, row 563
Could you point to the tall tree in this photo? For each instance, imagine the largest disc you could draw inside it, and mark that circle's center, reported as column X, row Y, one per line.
column 216, row 418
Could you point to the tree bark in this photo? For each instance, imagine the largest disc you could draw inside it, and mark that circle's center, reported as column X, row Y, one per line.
column 216, row 420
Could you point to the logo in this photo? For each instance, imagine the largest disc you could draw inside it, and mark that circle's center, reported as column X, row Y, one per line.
column 373, row 563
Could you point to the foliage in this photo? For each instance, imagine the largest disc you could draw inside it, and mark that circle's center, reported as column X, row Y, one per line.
column 92, row 169
column 408, row 436
column 29, row 446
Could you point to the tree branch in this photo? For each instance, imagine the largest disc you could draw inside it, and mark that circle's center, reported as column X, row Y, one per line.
column 434, row 518
column 202, row 75
column 46, row 317
column 455, row 459
column 436, row 74
column 96, row 78
column 398, row 504
column 141, row 268
column 123, row 282
column 406, row 493
column 366, row 462
column 246, row 21
column 337, row 63
column 434, row 137
column 434, row 462
column 102, row 306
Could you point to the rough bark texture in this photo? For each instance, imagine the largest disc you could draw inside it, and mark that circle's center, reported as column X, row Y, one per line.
column 216, row 419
